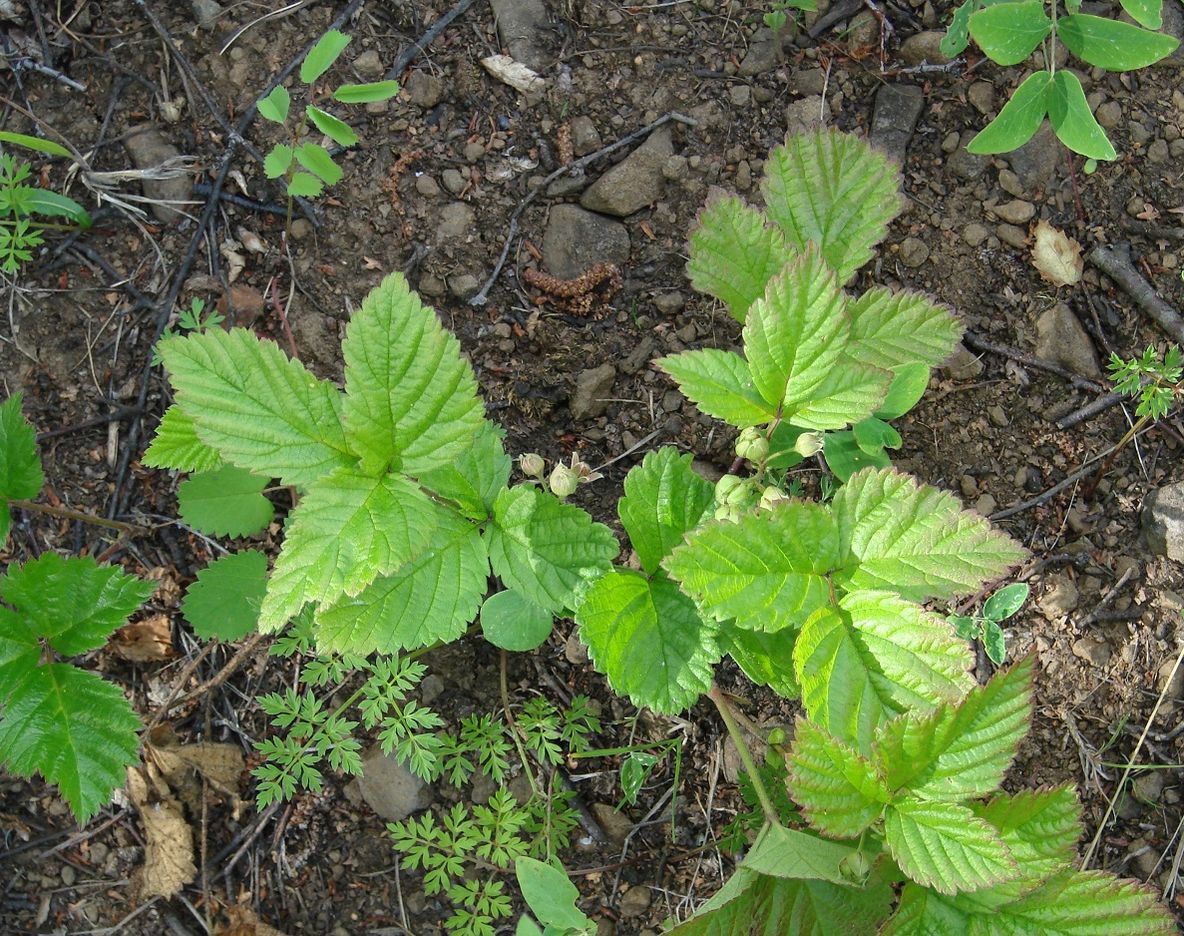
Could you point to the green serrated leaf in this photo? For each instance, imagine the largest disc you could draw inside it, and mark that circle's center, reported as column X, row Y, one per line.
column 873, row 658
column 890, row 329
column 1071, row 118
column 545, row 549
column 256, row 407
column 316, row 159
column 835, row 190
column 914, row 539
column 304, row 185
column 768, row 571
column 410, row 398
column 1019, row 119
column 734, row 254
column 849, row 393
column 177, row 446
column 346, row 531
column 321, row 56
column 1148, row 13
column 512, row 622
column 844, row 457
column 74, row 604
column 961, row 751
column 73, row 728
column 227, row 501
column 336, row 130
column 664, row 499
column 366, row 93
column 20, row 465
column 946, row 847
column 274, row 106
column 476, row 476
column 224, row 601
column 1010, row 32
column 648, row 639
column 766, row 659
column 277, row 161
column 720, row 384
column 841, row 792
column 1112, row 44
column 431, row 598
column 795, row 333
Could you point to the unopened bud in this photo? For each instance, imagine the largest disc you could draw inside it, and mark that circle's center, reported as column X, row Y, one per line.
column 752, row 445
column 808, row 444
column 727, row 513
column 563, row 481
column 770, row 496
column 532, row 465
column 724, row 486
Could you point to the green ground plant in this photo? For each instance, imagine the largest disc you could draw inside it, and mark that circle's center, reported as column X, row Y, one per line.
column 987, row 624
column 404, row 507
column 1008, row 31
column 69, row 725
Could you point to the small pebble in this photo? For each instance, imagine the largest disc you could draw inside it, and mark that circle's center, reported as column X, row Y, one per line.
column 913, row 252
column 1016, row 211
column 1012, row 236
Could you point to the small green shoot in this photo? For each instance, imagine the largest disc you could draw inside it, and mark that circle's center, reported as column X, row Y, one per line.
column 987, row 624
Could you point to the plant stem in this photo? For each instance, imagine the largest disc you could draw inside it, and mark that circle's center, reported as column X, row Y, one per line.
column 67, row 514
column 725, row 711
column 513, row 725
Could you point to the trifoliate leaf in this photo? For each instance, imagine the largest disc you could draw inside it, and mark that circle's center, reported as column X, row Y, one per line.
column 1009, row 32
column 835, row 190
column 720, row 384
column 20, row 466
column 256, row 407
column 224, row 601
column 871, row 659
column 73, row 728
column 841, row 792
column 431, row 598
column 648, row 639
column 796, row 332
column 767, row 571
column 664, row 499
column 893, row 328
column 1020, row 118
column 511, row 622
column 848, row 394
column 410, row 399
column 476, row 476
column 177, row 446
column 734, row 254
column 914, row 539
column 347, row 530
column 946, row 847
column 766, row 659
column 74, row 604
column 546, row 549
column 960, row 752
column 227, row 501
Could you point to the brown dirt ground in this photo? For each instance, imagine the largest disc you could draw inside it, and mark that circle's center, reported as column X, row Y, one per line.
column 82, row 343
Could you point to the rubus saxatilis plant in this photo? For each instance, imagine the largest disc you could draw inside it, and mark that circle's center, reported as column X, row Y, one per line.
column 404, row 510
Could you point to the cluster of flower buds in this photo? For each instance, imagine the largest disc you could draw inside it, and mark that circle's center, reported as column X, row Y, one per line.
column 733, row 496
column 564, row 479
column 752, row 445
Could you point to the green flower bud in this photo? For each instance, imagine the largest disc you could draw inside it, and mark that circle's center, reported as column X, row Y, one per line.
column 532, row 465
column 770, row 496
column 728, row 513
column 563, row 481
column 742, row 495
column 724, row 486
column 808, row 443
column 777, row 737
column 752, row 445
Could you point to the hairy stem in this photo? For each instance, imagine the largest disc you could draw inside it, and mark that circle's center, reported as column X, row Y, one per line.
column 726, row 713
column 67, row 514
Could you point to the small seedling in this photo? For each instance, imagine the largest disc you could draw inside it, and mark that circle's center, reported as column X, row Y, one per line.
column 1008, row 31
column 779, row 12
column 23, row 207
column 193, row 319
column 986, row 625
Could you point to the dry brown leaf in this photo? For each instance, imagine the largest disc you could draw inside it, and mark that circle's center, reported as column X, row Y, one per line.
column 515, row 74
column 244, row 922
column 168, row 840
column 183, row 766
column 144, row 641
column 1056, row 256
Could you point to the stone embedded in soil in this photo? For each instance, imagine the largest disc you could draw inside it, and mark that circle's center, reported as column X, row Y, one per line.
column 1094, row 650
column 148, row 148
column 635, row 901
column 1011, row 235
column 804, row 116
column 575, row 240
column 206, row 12
column 389, row 788
column 1016, row 211
column 369, row 65
column 456, row 222
column 1060, row 338
column 522, row 26
column 593, row 386
column 585, row 138
column 895, row 116
column 423, row 90
column 913, row 252
column 635, row 182
column 1061, row 597
column 616, row 825
column 982, row 97
column 964, row 164
column 764, row 53
column 924, row 48
column 974, row 234
column 1035, row 161
column 963, row 364
column 1163, row 521
column 1173, row 25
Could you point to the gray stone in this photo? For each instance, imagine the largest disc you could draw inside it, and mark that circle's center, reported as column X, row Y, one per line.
column 575, row 240
column 456, row 222
column 464, row 286
column 389, row 788
column 1061, row 597
column 424, row 90
column 206, row 12
column 1015, row 211
column 1061, row 339
column 1012, row 236
column 616, row 825
column 913, row 252
column 982, row 96
column 894, row 117
column 593, row 387
column 764, row 54
column 148, row 149
column 635, row 901
column 426, row 186
column 1108, row 114
column 670, row 303
column 453, row 181
column 523, row 28
column 1173, row 25
column 1036, row 161
column 974, row 234
column 964, row 164
column 924, row 48
column 635, row 182
column 1163, row 521
column 1094, row 650
column 963, row 364
column 369, row 65
column 585, row 138
column 804, row 116
column 1148, row 787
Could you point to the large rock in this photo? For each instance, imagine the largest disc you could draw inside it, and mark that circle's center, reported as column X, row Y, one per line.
column 522, row 26
column 576, row 239
column 1061, row 339
column 895, row 115
column 389, row 788
column 636, row 181
column 1163, row 521
column 149, row 149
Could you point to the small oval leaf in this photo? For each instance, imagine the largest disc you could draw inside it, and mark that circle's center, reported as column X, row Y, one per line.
column 365, row 93
column 321, row 57
column 511, row 621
